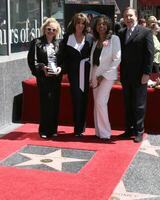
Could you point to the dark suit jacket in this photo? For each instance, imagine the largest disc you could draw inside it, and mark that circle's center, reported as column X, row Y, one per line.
column 137, row 54
column 37, row 59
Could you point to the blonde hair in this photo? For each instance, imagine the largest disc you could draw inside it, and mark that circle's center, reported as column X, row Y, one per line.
column 47, row 22
column 155, row 27
column 152, row 19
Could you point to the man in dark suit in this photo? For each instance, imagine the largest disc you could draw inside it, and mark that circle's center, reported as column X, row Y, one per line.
column 136, row 65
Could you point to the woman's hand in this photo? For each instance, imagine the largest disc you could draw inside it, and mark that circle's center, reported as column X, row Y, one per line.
column 96, row 83
column 47, row 71
column 93, row 84
column 99, row 80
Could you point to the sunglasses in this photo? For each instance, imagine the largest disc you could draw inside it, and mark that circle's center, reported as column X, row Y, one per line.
column 51, row 29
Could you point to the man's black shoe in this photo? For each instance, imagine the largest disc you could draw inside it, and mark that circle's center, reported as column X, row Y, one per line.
column 126, row 135
column 138, row 138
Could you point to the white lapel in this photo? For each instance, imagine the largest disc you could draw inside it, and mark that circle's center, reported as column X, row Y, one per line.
column 73, row 43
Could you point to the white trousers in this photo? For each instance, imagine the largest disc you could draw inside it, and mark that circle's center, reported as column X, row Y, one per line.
column 101, row 96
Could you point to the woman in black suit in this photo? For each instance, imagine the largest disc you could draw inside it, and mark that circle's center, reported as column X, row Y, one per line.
column 135, row 68
column 43, row 65
column 74, row 52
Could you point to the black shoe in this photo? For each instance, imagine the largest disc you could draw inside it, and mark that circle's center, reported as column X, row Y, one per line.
column 78, row 134
column 138, row 138
column 126, row 135
column 106, row 140
column 54, row 135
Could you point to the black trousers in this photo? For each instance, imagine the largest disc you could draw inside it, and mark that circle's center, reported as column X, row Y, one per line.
column 49, row 93
column 135, row 99
column 79, row 100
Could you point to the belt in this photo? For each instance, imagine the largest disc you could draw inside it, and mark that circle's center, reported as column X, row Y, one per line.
column 81, row 73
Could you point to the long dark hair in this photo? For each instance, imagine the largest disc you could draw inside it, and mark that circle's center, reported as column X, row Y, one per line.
column 107, row 21
column 71, row 28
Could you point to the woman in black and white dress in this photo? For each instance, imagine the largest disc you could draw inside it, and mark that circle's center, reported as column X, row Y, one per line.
column 75, row 52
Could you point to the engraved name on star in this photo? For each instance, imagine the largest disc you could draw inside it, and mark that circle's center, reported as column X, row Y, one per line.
column 53, row 160
column 120, row 193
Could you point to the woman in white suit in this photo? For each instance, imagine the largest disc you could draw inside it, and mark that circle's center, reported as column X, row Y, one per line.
column 105, row 58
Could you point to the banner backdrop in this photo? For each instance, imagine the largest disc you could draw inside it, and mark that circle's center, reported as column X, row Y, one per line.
column 91, row 10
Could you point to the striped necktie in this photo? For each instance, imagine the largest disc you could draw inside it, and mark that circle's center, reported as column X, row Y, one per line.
column 128, row 34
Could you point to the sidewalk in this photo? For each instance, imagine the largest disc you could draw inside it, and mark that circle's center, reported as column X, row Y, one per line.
column 8, row 128
column 142, row 178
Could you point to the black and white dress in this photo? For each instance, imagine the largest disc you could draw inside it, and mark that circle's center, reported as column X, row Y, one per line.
column 76, row 61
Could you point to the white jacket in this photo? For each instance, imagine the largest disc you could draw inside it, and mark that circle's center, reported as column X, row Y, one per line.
column 109, row 59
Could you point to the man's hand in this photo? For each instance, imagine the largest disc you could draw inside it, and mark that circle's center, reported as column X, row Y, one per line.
column 144, row 79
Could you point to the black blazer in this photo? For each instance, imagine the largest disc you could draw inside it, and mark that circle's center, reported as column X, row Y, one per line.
column 37, row 55
column 137, row 54
column 70, row 58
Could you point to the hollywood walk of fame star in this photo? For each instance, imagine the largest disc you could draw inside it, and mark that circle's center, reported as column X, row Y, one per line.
column 53, row 160
column 146, row 147
column 120, row 193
